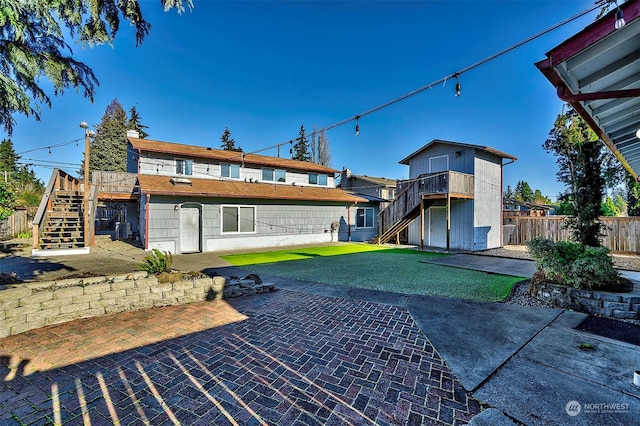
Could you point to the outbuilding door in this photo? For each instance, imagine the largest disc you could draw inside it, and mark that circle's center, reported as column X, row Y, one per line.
column 189, row 229
column 437, row 226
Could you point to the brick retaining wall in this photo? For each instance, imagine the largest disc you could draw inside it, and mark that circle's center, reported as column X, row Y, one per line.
column 615, row 305
column 32, row 305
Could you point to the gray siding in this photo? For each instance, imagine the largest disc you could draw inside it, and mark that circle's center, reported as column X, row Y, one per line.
column 464, row 163
column 461, row 236
column 165, row 165
column 277, row 223
column 488, row 201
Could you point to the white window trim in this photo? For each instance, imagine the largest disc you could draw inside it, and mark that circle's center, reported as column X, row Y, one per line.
column 317, row 178
column 177, row 159
column 373, row 225
column 230, row 167
column 274, row 170
column 438, row 157
column 237, row 206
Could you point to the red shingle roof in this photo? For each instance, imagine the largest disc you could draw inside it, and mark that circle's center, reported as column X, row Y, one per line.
column 162, row 185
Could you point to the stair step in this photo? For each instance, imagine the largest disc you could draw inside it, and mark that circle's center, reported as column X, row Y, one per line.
column 54, row 246
column 61, row 234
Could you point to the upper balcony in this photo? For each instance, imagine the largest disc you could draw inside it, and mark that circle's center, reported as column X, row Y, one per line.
column 440, row 185
column 115, row 185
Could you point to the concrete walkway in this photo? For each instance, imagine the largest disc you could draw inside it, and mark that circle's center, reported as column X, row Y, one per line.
column 320, row 354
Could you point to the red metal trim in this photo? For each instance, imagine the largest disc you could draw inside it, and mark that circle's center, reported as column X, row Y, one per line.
column 593, row 33
column 615, row 94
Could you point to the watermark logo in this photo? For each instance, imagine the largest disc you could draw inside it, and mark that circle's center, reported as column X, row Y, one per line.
column 573, row 408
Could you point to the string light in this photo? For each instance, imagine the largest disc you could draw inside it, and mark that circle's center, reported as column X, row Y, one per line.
column 620, row 22
column 357, row 125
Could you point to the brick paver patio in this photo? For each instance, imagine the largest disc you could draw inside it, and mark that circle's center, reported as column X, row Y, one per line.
column 283, row 358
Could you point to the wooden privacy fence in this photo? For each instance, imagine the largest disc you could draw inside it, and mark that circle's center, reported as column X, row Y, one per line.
column 13, row 225
column 621, row 234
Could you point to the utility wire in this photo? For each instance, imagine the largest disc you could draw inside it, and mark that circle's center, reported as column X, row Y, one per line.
column 412, row 93
column 447, row 77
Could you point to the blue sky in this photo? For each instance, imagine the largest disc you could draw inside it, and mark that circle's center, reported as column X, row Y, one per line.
column 265, row 68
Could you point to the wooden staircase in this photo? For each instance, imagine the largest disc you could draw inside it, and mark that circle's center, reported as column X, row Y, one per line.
column 63, row 225
column 405, row 208
column 398, row 227
column 397, row 216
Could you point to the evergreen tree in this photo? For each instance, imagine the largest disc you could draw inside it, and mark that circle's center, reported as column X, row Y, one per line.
column 508, row 193
column 324, row 154
column 579, row 158
column 109, row 148
column 523, row 192
column 633, row 196
column 228, row 143
column 8, row 158
column 301, row 147
column 26, row 187
column 34, row 47
column 135, row 124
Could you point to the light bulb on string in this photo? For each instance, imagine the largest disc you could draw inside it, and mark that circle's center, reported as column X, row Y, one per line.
column 620, row 22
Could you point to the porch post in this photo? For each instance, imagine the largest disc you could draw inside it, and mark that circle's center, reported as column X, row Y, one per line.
column 448, row 221
column 422, row 224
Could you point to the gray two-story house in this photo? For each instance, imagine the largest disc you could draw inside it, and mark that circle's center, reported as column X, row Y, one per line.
column 198, row 199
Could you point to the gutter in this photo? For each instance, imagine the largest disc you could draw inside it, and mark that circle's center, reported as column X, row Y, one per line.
column 349, row 220
column 502, row 200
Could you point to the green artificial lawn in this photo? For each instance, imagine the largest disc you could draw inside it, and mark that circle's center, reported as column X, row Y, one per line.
column 379, row 268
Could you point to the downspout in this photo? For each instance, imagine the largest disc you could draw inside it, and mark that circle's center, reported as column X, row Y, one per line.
column 349, row 221
column 502, row 200
column 146, row 223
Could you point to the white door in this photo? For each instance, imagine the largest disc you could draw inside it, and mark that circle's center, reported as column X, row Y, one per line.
column 189, row 229
column 438, row 226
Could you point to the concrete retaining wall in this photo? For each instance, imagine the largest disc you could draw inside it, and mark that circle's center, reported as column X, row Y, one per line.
column 32, row 305
column 615, row 305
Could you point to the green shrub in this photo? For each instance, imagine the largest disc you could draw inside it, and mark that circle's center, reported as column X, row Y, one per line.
column 575, row 265
column 26, row 234
column 157, row 262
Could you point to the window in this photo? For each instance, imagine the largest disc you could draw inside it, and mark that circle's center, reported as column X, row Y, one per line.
column 184, row 167
column 439, row 164
column 364, row 217
column 317, row 179
column 236, row 219
column 230, row 170
column 274, row 175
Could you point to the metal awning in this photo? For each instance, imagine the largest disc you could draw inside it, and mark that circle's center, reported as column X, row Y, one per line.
column 597, row 71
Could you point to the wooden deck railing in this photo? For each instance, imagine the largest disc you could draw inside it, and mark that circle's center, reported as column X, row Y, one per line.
column 412, row 191
column 114, row 182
